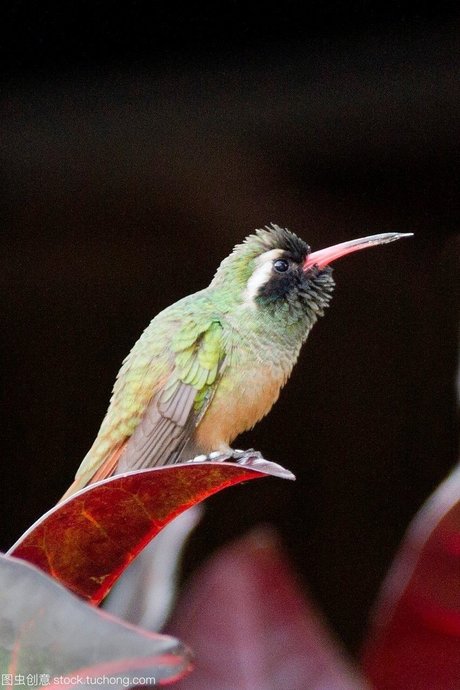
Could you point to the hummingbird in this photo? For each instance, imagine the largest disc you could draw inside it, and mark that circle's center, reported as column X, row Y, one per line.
column 211, row 365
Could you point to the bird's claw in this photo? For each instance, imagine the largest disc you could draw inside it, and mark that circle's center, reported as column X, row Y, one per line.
column 215, row 456
column 242, row 457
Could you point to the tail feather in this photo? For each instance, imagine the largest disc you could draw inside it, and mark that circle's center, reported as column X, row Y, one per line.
column 107, row 469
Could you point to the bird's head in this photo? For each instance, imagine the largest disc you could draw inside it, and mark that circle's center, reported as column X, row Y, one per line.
column 275, row 271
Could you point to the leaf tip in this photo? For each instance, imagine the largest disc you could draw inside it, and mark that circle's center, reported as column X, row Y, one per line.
column 267, row 467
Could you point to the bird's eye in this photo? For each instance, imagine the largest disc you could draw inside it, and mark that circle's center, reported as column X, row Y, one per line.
column 281, row 265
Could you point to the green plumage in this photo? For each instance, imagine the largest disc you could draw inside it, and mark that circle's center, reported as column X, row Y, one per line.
column 210, row 365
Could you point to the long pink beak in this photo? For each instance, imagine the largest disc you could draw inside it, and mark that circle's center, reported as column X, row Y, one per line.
column 323, row 257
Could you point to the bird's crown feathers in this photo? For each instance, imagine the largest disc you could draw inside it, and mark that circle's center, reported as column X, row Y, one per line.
column 274, row 237
column 240, row 263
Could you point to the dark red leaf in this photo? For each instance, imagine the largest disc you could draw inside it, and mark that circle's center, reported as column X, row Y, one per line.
column 49, row 637
column 415, row 639
column 87, row 541
column 251, row 627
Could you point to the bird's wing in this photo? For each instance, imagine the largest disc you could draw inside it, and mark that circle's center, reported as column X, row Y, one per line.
column 171, row 416
column 163, row 388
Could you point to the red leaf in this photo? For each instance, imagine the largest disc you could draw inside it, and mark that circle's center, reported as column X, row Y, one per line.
column 51, row 638
column 415, row 640
column 88, row 540
column 250, row 626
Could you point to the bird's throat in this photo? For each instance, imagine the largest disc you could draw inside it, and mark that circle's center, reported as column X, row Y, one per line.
column 298, row 306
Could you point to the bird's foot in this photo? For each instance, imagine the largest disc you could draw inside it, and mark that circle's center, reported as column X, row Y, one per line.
column 240, row 456
column 244, row 456
column 250, row 458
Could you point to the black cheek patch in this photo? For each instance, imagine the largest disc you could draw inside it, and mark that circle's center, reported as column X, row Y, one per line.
column 279, row 287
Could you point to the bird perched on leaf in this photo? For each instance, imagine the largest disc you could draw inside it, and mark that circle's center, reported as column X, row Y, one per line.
column 211, row 365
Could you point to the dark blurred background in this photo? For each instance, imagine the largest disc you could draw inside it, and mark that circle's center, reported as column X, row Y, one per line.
column 139, row 142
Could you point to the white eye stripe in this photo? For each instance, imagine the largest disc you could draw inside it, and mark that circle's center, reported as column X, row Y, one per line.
column 261, row 274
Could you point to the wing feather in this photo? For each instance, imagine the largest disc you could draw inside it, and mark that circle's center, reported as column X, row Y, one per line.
column 173, row 413
column 161, row 393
